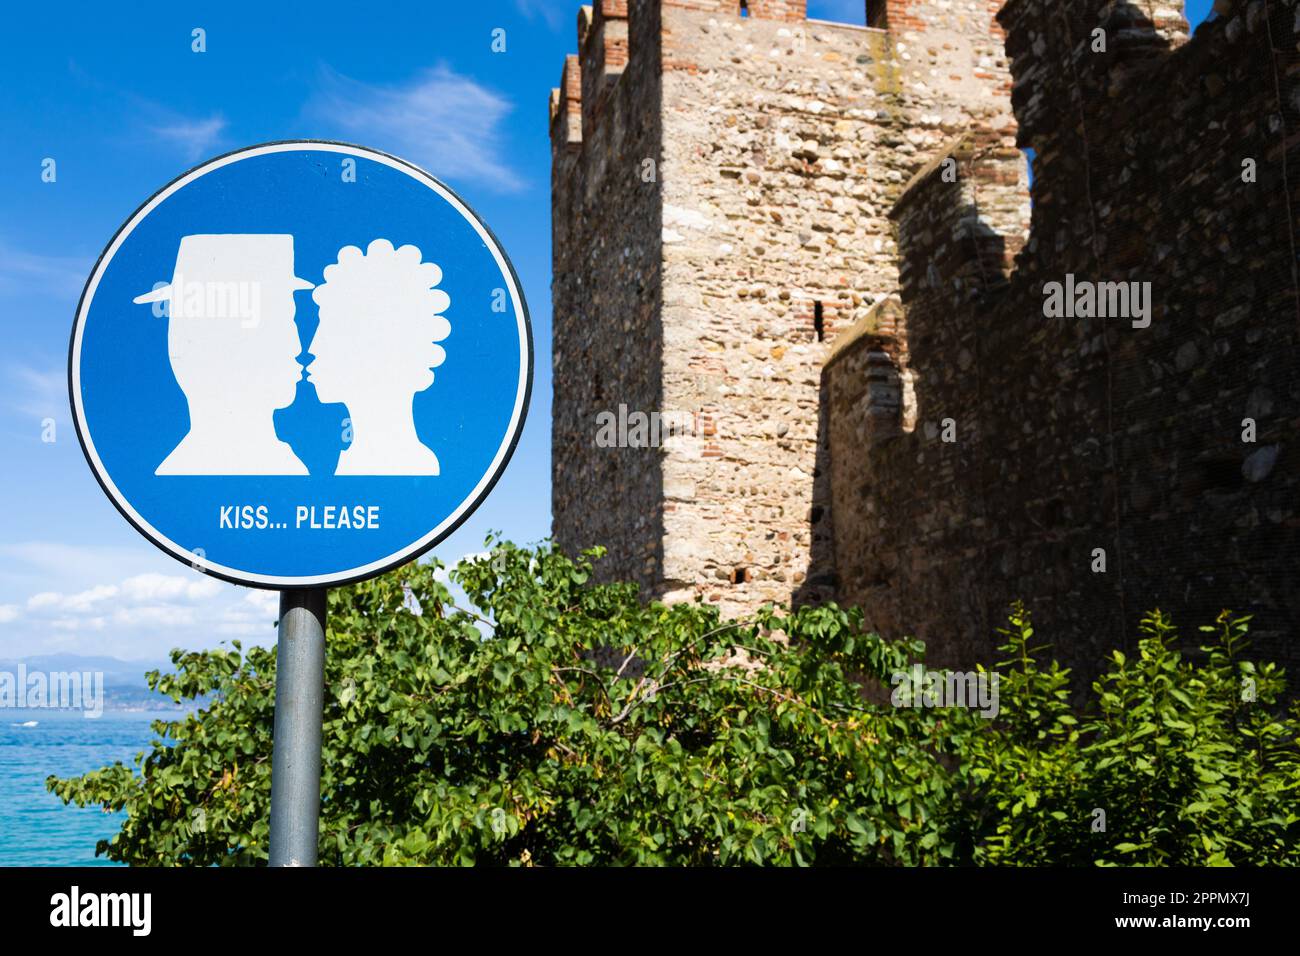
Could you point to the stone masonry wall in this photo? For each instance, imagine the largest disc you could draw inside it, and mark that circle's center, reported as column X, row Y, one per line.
column 606, row 289
column 1162, row 160
column 782, row 145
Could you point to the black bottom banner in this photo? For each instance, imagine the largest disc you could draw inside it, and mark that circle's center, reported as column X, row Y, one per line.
column 333, row 905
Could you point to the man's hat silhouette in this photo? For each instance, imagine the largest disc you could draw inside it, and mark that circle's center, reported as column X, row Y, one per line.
column 263, row 259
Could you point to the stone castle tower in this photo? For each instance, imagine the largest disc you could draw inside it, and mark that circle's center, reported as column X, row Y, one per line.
column 722, row 178
column 816, row 239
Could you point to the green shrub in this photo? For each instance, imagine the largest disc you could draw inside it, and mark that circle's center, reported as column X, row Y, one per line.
column 574, row 725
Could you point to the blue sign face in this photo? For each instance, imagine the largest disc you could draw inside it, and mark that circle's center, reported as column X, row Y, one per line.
column 300, row 364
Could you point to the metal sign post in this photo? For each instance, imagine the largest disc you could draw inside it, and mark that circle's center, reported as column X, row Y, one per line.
column 299, row 709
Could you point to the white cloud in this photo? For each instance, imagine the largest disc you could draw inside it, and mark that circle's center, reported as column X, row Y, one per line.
column 39, row 393
column 38, row 602
column 195, row 138
column 144, row 598
column 440, row 120
column 75, row 566
column 79, row 602
column 265, row 602
column 71, row 603
column 552, row 12
column 78, row 623
column 154, row 616
column 88, row 599
column 142, row 616
column 163, row 587
column 255, row 615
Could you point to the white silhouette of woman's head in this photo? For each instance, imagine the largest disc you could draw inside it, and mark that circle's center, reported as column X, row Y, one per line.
column 375, row 348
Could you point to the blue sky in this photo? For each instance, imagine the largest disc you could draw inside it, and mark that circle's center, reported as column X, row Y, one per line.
column 123, row 105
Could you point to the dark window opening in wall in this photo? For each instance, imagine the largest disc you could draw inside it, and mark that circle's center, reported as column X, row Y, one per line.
column 739, row 575
column 744, row 8
column 819, row 322
column 876, row 13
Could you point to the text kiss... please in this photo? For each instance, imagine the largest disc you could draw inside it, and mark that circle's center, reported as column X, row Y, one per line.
column 322, row 517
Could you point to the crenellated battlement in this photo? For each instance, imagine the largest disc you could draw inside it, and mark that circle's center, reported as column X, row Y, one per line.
column 936, row 51
column 604, row 49
column 961, row 220
column 566, row 107
column 1069, row 57
column 603, row 46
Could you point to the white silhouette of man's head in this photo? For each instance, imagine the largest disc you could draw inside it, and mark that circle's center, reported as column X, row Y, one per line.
column 233, row 346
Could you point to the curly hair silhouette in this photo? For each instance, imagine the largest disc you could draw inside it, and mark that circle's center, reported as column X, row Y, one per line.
column 374, row 350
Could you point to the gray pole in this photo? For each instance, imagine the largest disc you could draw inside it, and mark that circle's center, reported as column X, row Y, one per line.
column 299, row 708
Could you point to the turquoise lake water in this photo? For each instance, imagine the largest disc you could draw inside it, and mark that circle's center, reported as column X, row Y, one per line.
column 36, row 828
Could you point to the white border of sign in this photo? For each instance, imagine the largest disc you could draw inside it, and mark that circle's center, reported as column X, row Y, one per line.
column 345, row 576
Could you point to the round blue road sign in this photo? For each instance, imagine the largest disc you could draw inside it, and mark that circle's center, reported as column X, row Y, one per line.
column 300, row 364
